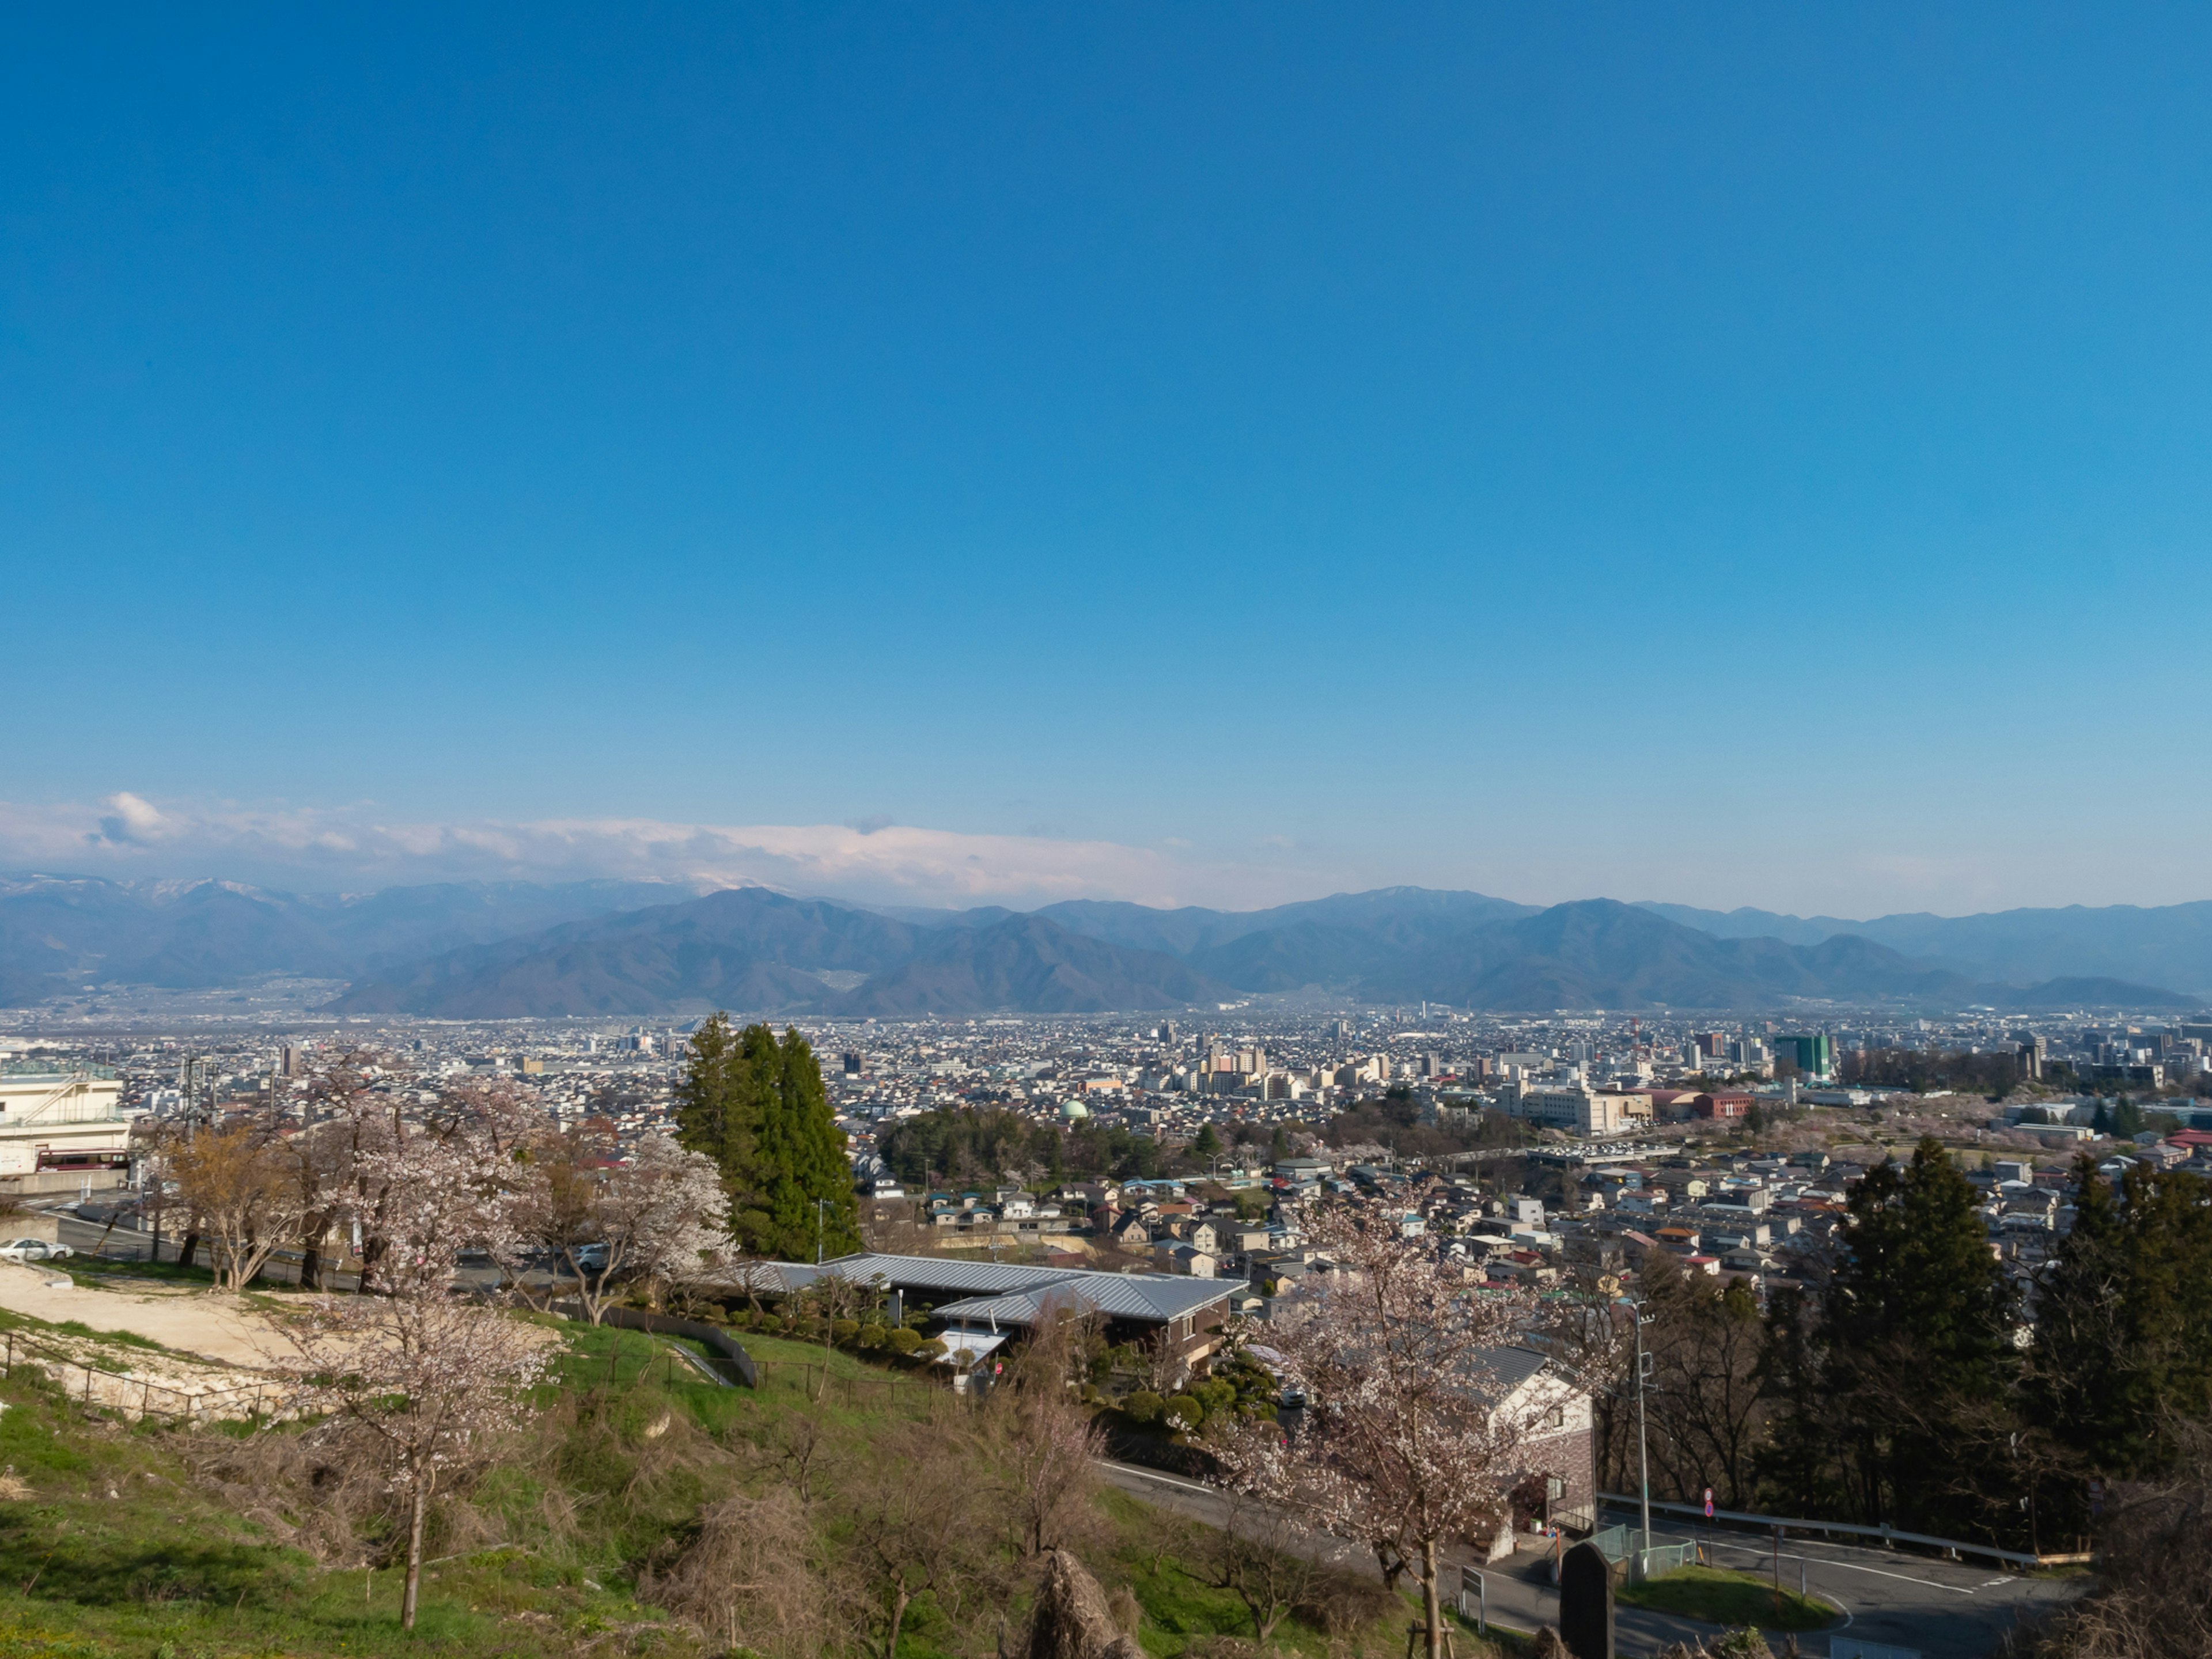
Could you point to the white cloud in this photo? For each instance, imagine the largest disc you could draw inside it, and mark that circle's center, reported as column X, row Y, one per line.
column 872, row 860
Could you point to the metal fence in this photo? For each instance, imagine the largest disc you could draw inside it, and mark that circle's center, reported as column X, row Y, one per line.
column 137, row 1396
column 1886, row 1533
column 1618, row 1545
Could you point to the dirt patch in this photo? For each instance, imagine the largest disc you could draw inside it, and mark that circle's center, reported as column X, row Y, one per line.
column 208, row 1323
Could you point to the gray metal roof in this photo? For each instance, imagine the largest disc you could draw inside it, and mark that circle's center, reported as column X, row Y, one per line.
column 1015, row 1295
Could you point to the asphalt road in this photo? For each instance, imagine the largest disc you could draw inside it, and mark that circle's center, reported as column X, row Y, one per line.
column 1943, row 1609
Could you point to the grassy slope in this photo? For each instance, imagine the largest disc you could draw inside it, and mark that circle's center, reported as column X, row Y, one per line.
column 163, row 1568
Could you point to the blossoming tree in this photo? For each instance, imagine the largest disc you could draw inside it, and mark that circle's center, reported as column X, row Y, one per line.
column 433, row 1377
column 1412, row 1436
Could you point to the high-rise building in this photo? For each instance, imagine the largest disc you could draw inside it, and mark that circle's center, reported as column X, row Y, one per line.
column 1815, row 1056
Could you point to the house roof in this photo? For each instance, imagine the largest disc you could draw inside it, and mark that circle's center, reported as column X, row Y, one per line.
column 1016, row 1295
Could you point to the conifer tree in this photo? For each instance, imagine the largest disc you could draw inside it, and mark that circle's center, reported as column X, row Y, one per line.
column 1917, row 1327
column 2124, row 1329
column 757, row 1106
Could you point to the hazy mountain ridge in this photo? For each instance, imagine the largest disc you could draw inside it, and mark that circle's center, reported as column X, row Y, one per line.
column 755, row 950
column 750, row 949
column 492, row 951
column 2163, row 945
column 76, row 930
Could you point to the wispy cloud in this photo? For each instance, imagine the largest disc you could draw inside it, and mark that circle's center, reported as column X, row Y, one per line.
column 872, row 859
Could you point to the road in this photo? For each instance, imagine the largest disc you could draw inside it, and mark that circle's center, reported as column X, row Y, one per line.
column 1944, row 1609
column 123, row 1244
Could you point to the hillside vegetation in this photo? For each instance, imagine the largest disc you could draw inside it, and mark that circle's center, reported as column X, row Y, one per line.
column 641, row 1512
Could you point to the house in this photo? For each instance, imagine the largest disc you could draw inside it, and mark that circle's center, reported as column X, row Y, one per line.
column 1182, row 1313
column 1131, row 1233
column 1184, row 1259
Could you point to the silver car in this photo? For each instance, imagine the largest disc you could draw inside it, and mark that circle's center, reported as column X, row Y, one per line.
column 35, row 1249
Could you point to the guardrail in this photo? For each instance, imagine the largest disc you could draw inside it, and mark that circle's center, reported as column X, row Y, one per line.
column 1885, row 1532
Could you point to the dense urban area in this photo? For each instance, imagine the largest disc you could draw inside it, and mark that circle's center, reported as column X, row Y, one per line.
column 1932, row 1278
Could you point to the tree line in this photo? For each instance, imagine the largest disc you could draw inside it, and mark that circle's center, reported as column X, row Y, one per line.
column 1913, row 1385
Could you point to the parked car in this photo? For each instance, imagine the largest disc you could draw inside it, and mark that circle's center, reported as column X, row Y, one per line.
column 35, row 1249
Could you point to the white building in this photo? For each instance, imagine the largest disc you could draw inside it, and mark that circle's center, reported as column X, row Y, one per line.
column 61, row 1127
column 1593, row 1113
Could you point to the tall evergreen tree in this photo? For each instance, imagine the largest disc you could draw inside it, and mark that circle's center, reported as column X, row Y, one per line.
column 2123, row 1327
column 1917, row 1327
column 757, row 1106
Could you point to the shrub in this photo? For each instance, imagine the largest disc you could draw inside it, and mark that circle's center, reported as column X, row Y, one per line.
column 1142, row 1406
column 844, row 1330
column 904, row 1340
column 1214, row 1395
column 1186, row 1413
column 933, row 1349
column 872, row 1336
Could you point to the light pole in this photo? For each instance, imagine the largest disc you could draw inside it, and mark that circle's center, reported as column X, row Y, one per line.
column 1643, row 1453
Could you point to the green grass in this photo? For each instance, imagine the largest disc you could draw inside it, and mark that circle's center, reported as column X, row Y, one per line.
column 1722, row 1597
column 627, row 1449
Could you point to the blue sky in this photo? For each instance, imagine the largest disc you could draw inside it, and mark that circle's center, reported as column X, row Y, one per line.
column 1732, row 455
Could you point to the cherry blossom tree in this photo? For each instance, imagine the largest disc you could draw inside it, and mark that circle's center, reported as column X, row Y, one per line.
column 659, row 1216
column 433, row 1377
column 1412, row 1436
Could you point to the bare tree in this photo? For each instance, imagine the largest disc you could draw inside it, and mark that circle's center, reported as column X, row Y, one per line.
column 434, row 1377
column 1046, row 1443
column 1411, row 1436
column 1259, row 1555
column 909, row 1539
column 750, row 1577
column 238, row 1180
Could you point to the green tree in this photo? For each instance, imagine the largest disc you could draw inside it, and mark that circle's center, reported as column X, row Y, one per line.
column 757, row 1106
column 2127, row 1119
column 1920, row 1361
column 1207, row 1145
column 2123, row 1354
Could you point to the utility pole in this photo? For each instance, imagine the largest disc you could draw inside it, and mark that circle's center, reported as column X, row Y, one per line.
column 1642, row 1451
column 819, row 1204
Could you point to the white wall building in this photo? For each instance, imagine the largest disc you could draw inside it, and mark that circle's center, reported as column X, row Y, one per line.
column 60, row 1128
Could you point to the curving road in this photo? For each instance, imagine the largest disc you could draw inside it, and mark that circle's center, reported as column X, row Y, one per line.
column 1944, row 1609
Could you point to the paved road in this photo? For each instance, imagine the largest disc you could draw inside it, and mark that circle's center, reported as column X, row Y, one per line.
column 1946, row 1610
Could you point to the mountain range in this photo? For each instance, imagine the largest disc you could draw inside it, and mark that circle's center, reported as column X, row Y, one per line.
column 503, row 951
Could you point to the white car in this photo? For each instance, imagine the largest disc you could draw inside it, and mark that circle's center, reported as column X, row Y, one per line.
column 35, row 1249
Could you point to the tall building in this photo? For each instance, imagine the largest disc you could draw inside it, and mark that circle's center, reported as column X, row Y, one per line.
column 1815, row 1056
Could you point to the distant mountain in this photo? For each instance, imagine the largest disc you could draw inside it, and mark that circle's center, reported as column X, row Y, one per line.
column 745, row 947
column 1031, row 964
column 2168, row 945
column 508, row 950
column 67, row 931
column 750, row 950
column 1191, row 931
column 2080, row 992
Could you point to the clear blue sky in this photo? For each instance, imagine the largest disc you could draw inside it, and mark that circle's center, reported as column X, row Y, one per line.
column 1736, row 455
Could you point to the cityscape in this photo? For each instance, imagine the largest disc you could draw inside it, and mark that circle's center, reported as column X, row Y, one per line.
column 852, row 832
